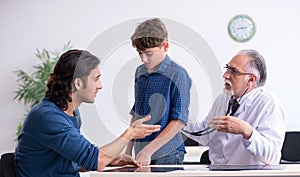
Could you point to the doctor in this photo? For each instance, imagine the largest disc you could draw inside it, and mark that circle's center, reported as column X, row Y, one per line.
column 246, row 124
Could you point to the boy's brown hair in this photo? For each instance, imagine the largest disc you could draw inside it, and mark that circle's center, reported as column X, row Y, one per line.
column 148, row 34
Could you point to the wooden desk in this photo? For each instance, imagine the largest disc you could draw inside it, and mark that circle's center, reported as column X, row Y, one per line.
column 201, row 170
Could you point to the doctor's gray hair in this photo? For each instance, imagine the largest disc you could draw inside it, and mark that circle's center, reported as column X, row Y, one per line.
column 256, row 65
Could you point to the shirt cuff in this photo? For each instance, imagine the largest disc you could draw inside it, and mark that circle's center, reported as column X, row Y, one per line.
column 247, row 142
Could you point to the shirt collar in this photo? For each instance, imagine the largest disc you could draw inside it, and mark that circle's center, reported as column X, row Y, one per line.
column 164, row 65
column 250, row 96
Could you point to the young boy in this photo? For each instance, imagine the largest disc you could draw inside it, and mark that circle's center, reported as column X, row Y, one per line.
column 162, row 90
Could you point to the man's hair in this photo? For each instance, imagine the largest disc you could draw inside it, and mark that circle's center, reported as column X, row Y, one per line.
column 257, row 65
column 148, row 34
column 71, row 65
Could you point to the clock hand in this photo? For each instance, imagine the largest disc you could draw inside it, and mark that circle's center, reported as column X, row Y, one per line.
column 243, row 27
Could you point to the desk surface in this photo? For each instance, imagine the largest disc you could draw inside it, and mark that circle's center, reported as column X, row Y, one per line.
column 200, row 170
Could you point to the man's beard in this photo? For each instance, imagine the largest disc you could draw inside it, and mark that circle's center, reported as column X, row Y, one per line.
column 228, row 91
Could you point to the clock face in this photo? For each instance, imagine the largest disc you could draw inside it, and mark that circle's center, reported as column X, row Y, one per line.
column 241, row 28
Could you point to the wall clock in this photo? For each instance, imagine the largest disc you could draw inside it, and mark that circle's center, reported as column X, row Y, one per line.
column 241, row 28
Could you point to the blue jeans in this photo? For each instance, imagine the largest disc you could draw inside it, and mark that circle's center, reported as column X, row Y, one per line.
column 174, row 158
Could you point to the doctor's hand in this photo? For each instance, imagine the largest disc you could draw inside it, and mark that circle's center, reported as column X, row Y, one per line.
column 139, row 130
column 230, row 124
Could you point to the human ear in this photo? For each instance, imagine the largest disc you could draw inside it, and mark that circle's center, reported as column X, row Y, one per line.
column 166, row 46
column 252, row 79
column 77, row 83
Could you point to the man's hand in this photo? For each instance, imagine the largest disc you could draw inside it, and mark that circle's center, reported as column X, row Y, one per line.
column 232, row 125
column 109, row 153
column 139, row 130
column 124, row 159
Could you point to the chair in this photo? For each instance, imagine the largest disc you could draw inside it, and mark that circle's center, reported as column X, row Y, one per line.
column 290, row 152
column 188, row 141
column 204, row 159
column 7, row 165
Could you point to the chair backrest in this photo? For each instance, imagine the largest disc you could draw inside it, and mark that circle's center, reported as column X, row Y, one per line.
column 291, row 148
column 7, row 165
column 204, row 159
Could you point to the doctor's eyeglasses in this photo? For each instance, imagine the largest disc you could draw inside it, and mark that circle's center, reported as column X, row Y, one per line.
column 233, row 71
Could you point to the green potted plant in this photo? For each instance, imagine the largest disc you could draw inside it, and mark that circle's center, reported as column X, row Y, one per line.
column 31, row 87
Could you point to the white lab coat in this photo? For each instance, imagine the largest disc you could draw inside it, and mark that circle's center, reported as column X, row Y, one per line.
column 267, row 117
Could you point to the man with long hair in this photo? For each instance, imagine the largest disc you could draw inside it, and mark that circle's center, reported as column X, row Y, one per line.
column 50, row 143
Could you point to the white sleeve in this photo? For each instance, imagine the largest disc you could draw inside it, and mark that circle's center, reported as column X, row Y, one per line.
column 267, row 138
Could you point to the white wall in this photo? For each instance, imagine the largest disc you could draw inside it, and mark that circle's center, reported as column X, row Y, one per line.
column 31, row 24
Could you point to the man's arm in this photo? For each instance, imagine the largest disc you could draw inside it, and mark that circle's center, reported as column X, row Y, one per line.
column 111, row 151
column 173, row 127
column 129, row 147
column 264, row 140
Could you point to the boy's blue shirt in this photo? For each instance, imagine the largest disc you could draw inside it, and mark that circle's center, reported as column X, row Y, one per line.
column 165, row 95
